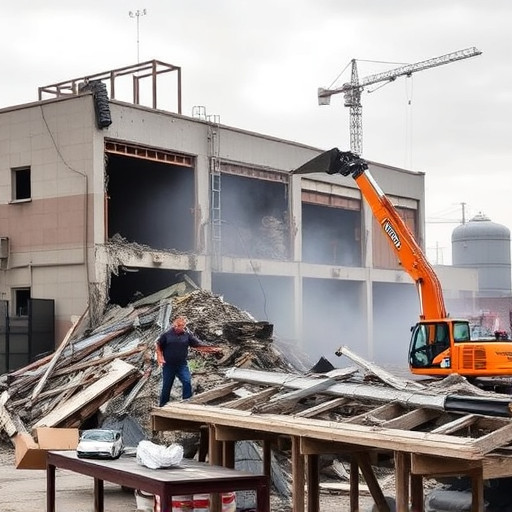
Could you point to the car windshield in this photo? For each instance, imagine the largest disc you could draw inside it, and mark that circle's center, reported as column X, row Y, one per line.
column 98, row 435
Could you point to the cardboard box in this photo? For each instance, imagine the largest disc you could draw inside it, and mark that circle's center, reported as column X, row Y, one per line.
column 30, row 454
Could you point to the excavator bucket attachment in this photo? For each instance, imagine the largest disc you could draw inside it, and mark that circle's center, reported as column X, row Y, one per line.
column 334, row 161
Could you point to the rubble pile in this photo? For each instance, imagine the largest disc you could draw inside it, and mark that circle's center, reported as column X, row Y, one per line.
column 111, row 370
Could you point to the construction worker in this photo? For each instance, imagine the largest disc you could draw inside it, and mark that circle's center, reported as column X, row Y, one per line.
column 172, row 353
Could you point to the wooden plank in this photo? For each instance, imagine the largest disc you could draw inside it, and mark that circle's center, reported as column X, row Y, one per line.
column 456, row 425
column 402, row 472
column 322, row 407
column 6, row 422
column 363, row 461
column 427, row 465
column 378, row 415
column 386, row 377
column 247, row 402
column 343, row 487
column 495, row 439
column 412, row 419
column 117, row 372
column 287, row 401
column 159, row 424
column 212, row 394
column 55, row 358
column 309, row 446
column 496, row 466
column 223, row 433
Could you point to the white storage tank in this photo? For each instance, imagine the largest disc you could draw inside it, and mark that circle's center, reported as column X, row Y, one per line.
column 484, row 245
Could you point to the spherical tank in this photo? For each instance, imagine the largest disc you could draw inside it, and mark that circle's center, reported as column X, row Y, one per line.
column 484, row 245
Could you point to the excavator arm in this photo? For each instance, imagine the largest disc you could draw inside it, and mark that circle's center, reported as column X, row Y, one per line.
column 402, row 241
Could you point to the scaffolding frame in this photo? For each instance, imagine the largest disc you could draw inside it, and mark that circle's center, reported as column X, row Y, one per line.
column 150, row 68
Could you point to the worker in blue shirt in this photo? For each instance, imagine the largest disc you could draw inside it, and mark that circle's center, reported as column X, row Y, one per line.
column 172, row 352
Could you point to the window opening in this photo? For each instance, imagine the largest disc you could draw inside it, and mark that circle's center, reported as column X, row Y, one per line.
column 21, row 183
column 21, row 298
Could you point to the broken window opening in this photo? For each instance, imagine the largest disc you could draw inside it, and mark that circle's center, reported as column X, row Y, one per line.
column 255, row 218
column 132, row 283
column 151, row 203
column 331, row 236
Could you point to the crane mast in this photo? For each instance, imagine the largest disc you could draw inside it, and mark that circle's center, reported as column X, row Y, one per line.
column 352, row 91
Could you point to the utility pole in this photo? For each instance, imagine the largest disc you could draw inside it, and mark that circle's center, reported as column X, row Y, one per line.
column 137, row 15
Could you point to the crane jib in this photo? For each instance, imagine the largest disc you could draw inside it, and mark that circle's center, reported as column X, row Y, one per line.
column 390, row 231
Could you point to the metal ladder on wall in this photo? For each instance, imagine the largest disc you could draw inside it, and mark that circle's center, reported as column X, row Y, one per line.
column 215, row 188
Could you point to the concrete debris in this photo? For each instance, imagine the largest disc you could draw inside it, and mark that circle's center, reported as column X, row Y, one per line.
column 58, row 390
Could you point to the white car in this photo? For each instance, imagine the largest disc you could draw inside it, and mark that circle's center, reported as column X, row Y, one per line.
column 100, row 444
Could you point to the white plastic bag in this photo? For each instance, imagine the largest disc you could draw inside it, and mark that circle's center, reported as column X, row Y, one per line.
column 156, row 456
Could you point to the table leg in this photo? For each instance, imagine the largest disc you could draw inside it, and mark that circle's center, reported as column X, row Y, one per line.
column 98, row 495
column 263, row 497
column 50, row 488
column 165, row 501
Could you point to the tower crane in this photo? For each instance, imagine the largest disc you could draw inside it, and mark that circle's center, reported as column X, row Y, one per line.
column 352, row 90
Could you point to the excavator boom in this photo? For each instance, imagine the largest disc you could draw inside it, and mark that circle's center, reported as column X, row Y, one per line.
column 402, row 241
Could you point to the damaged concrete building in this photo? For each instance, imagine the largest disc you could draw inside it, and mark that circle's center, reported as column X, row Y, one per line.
column 103, row 198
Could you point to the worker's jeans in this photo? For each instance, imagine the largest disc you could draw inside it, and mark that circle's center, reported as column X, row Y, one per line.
column 169, row 373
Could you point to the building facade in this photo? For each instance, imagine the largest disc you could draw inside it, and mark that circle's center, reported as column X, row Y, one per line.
column 95, row 213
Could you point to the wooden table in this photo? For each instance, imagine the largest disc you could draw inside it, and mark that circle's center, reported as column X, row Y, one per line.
column 190, row 477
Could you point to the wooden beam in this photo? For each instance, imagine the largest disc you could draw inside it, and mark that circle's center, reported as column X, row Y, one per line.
column 288, row 400
column 214, row 448
column 311, row 446
column 412, row 419
column 161, row 424
column 320, row 408
column 495, row 439
column 385, row 412
column 477, row 489
column 55, row 358
column 456, row 425
column 427, row 465
column 417, row 500
column 223, row 433
column 313, row 483
column 363, row 461
column 297, row 476
column 212, row 394
column 402, row 473
column 354, row 485
column 247, row 402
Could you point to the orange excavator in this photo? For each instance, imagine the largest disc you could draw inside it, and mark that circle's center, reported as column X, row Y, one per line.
column 439, row 345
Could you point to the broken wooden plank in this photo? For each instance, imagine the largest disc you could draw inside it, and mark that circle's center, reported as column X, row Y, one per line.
column 386, row 377
column 456, row 425
column 117, row 371
column 56, row 355
column 247, row 402
column 287, row 401
column 6, row 422
column 212, row 394
column 322, row 407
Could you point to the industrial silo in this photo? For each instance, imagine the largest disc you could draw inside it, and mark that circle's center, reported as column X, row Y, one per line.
column 484, row 245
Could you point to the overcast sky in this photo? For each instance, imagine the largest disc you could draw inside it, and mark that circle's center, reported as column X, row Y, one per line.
column 258, row 64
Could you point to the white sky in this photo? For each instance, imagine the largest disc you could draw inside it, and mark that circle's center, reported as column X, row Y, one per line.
column 258, row 64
